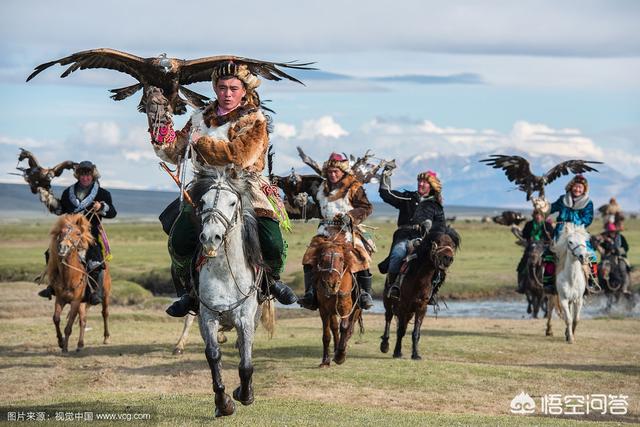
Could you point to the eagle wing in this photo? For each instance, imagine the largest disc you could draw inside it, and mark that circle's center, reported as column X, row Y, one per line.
column 57, row 170
column 111, row 59
column 573, row 166
column 309, row 161
column 199, row 70
column 516, row 169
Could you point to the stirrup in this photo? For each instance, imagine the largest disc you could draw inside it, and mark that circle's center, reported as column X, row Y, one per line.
column 308, row 301
column 394, row 291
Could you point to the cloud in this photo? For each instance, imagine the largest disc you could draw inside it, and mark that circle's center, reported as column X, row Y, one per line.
column 325, row 127
column 21, row 142
column 283, row 130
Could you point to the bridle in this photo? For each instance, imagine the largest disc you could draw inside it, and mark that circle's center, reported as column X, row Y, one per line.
column 75, row 244
column 436, row 254
column 213, row 213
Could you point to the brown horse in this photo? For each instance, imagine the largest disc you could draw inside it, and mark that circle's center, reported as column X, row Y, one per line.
column 531, row 278
column 70, row 239
column 434, row 254
column 337, row 296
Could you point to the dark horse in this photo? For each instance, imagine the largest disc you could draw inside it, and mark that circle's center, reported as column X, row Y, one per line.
column 613, row 275
column 434, row 256
column 531, row 277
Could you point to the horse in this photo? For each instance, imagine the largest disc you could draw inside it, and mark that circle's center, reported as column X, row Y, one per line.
column 531, row 277
column 229, row 276
column 70, row 239
column 613, row 274
column 337, row 296
column 434, row 254
column 572, row 262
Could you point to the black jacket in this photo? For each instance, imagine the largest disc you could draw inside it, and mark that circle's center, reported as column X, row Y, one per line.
column 67, row 207
column 405, row 201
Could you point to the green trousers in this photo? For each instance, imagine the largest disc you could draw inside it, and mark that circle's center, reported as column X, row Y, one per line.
column 183, row 242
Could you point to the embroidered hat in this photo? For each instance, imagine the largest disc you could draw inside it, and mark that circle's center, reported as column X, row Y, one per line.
column 240, row 71
column 578, row 179
column 338, row 161
column 432, row 178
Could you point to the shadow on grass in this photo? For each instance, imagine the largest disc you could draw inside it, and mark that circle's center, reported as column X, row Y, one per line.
column 98, row 350
column 633, row 370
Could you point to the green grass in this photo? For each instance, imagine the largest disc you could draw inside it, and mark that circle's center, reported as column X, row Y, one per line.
column 485, row 266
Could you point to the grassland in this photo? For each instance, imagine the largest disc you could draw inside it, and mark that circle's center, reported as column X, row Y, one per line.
column 484, row 267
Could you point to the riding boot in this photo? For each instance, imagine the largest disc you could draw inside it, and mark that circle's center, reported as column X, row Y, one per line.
column 186, row 302
column 47, row 292
column 309, row 300
column 394, row 289
column 283, row 293
column 364, row 279
column 97, row 279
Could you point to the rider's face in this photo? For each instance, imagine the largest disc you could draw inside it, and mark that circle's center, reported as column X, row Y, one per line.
column 423, row 187
column 229, row 92
column 577, row 189
column 334, row 175
column 85, row 178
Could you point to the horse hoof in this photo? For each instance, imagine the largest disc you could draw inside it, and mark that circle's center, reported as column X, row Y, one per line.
column 226, row 408
column 528, row 310
column 416, row 357
column 397, row 355
column 65, row 350
column 384, row 346
column 340, row 358
column 247, row 401
column 222, row 338
column 324, row 365
column 79, row 349
column 177, row 351
column 106, row 340
column 549, row 333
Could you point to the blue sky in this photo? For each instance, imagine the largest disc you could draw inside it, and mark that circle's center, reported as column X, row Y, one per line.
column 418, row 78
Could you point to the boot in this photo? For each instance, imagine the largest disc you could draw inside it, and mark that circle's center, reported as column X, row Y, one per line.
column 283, row 293
column 186, row 303
column 95, row 297
column 364, row 279
column 394, row 289
column 47, row 292
column 309, row 300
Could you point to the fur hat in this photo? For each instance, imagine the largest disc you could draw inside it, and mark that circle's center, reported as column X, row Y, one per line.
column 338, row 161
column 86, row 165
column 578, row 179
column 239, row 71
column 432, row 179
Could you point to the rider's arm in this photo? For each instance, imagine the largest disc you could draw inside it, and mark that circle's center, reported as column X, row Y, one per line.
column 107, row 210
column 392, row 197
column 587, row 214
column 171, row 149
column 248, row 142
column 362, row 208
column 526, row 231
column 556, row 206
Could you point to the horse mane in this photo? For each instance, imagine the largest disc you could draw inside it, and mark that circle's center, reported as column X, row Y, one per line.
column 339, row 240
column 236, row 180
column 434, row 236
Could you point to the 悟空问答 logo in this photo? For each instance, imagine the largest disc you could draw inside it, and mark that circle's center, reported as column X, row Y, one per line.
column 523, row 404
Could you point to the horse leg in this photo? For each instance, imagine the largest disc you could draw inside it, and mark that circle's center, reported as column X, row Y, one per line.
column 415, row 336
column 326, row 336
column 56, row 321
column 346, row 326
column 403, row 320
column 244, row 392
column 188, row 321
column 388, row 315
column 567, row 316
column 82, row 321
column 551, row 303
column 73, row 311
column 208, row 329
column 106, row 294
column 577, row 308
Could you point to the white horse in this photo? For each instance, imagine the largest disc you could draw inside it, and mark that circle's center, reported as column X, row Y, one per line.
column 229, row 277
column 572, row 263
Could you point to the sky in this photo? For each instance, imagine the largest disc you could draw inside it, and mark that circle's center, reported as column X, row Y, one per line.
column 411, row 80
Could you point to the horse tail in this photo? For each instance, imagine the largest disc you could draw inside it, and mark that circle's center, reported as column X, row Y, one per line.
column 268, row 317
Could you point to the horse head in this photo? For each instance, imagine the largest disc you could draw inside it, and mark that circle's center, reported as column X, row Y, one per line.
column 334, row 261
column 72, row 233
column 573, row 241
column 442, row 247
column 218, row 195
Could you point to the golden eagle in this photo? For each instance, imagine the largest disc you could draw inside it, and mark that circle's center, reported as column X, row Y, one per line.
column 37, row 176
column 168, row 74
column 517, row 170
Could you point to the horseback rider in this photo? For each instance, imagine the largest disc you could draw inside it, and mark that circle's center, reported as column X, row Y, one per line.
column 343, row 203
column 233, row 130
column 613, row 242
column 419, row 212
column 576, row 207
column 535, row 230
column 86, row 196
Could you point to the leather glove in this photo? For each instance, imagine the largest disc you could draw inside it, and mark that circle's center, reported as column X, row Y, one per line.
column 157, row 108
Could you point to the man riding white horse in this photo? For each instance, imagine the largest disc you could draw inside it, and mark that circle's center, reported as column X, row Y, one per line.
column 87, row 197
column 576, row 207
column 231, row 130
column 343, row 204
column 419, row 211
